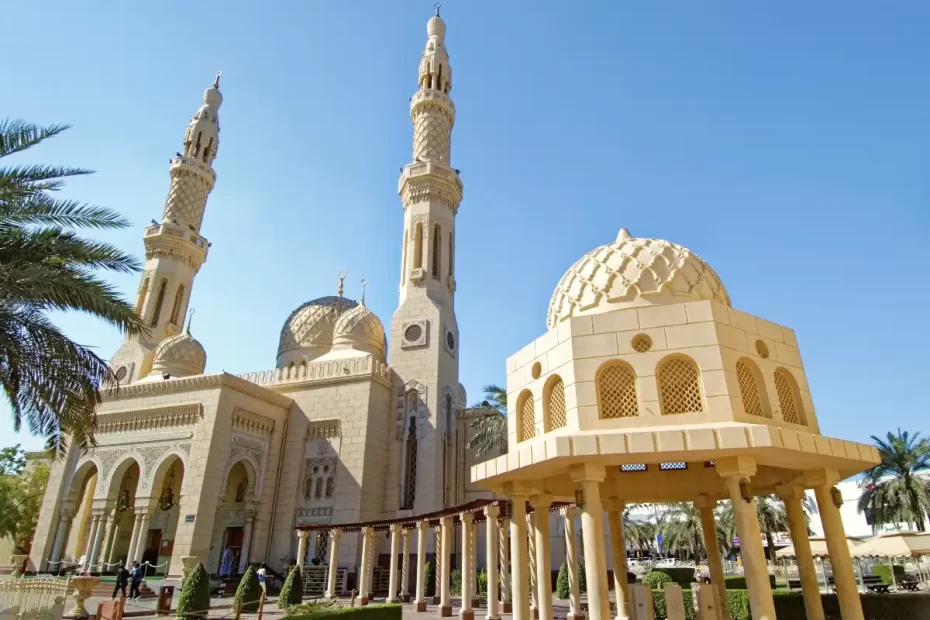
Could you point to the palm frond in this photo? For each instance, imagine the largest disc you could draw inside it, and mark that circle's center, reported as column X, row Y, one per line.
column 40, row 209
column 18, row 135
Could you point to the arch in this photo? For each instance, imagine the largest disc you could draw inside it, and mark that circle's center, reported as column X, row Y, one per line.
column 251, row 471
column 143, row 290
column 115, row 478
column 82, row 475
column 437, row 256
column 308, row 487
column 554, row 404
column 159, row 301
column 749, row 377
column 418, row 246
column 616, row 391
column 330, row 486
column 154, row 477
column 318, row 488
column 176, row 309
column 789, row 397
column 526, row 416
column 679, row 386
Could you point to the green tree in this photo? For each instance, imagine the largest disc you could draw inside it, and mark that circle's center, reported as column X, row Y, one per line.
column 563, row 588
column 194, row 602
column 772, row 516
column 429, row 582
column 682, row 531
column 51, row 382
column 292, row 592
column 22, row 488
column 249, row 592
column 896, row 490
column 489, row 422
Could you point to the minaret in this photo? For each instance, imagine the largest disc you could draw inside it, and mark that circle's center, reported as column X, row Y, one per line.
column 174, row 248
column 424, row 333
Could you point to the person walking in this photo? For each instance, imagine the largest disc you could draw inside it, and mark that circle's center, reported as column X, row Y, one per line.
column 261, row 578
column 135, row 580
column 122, row 578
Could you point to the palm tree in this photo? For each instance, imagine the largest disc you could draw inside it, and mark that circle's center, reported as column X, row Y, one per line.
column 682, row 531
column 772, row 516
column 489, row 423
column 52, row 382
column 896, row 490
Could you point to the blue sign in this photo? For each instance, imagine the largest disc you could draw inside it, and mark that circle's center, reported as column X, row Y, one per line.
column 189, row 518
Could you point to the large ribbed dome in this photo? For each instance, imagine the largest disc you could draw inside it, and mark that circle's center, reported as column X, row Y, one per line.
column 361, row 329
column 633, row 272
column 309, row 328
column 179, row 356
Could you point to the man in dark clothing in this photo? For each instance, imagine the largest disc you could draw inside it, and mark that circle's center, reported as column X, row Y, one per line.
column 135, row 580
column 122, row 578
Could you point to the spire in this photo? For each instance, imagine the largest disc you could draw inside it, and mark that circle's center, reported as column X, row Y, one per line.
column 202, row 138
column 435, row 70
column 364, row 284
column 342, row 277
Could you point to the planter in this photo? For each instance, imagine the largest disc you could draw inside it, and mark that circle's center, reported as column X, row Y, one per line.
column 83, row 586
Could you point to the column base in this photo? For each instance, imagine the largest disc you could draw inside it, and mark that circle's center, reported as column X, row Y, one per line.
column 363, row 601
column 492, row 618
column 574, row 616
column 534, row 613
column 421, row 606
column 507, row 607
column 445, row 611
column 467, row 614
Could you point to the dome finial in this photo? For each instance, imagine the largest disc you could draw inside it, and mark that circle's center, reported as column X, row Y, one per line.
column 216, row 82
column 342, row 276
column 623, row 235
column 190, row 318
column 364, row 284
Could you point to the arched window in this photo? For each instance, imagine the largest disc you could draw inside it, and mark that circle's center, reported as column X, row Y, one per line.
column 403, row 261
column 789, row 399
column 140, row 300
column 679, row 386
column 418, row 247
column 747, row 374
column 308, row 490
column 437, row 239
column 330, row 486
column 318, row 489
column 159, row 302
column 616, row 391
column 176, row 309
column 410, row 468
column 451, row 255
column 554, row 404
column 526, row 410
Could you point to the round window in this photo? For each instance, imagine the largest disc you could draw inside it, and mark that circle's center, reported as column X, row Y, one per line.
column 762, row 349
column 536, row 370
column 641, row 343
column 326, row 468
column 413, row 333
column 315, row 469
column 450, row 341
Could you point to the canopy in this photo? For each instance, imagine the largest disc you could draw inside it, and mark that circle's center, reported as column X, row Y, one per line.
column 818, row 548
column 897, row 545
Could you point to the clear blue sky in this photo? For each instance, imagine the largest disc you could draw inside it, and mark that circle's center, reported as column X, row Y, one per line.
column 787, row 143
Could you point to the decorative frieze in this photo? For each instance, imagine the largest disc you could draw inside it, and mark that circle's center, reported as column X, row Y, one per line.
column 150, row 419
column 323, row 429
column 321, row 372
column 252, row 423
column 184, row 384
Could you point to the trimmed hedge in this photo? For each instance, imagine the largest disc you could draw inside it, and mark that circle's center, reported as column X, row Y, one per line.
column 735, row 582
column 292, row 592
column 658, row 602
column 194, row 601
column 455, row 582
column 563, row 588
column 429, row 580
column 656, row 578
column 249, row 592
column 369, row 612
column 680, row 574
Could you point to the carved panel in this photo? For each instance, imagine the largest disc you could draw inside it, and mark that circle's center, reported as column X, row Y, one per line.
column 252, row 423
column 150, row 419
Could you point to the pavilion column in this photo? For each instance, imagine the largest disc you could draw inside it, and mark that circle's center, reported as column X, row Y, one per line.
column 541, row 504
column 364, row 571
column 89, row 546
column 405, row 566
column 736, row 472
column 392, row 574
column 64, row 520
column 372, row 549
column 422, row 528
column 571, row 561
column 474, row 563
column 468, row 567
column 110, row 547
column 531, row 562
column 807, row 571
column 334, row 537
column 506, row 604
column 844, row 575
column 437, row 572
column 302, row 538
column 589, row 478
column 491, row 513
column 519, row 559
column 706, row 507
column 134, row 536
column 98, row 540
column 445, row 596
column 246, row 541
column 618, row 551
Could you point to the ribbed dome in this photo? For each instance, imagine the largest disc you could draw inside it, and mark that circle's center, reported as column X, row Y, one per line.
column 360, row 328
column 633, row 272
column 436, row 27
column 308, row 331
column 179, row 356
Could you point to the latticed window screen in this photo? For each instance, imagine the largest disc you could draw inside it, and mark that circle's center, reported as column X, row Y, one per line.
column 749, row 389
column 634, row 467
column 451, row 254
column 410, row 473
column 616, row 390
column 679, row 387
column 437, row 236
column 527, row 418
column 784, row 385
column 178, row 298
column 677, row 465
column 142, row 292
column 641, row 343
column 403, row 261
column 159, row 302
column 556, row 414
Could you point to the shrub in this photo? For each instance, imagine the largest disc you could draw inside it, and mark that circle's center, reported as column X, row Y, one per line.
column 656, row 579
column 680, row 574
column 194, row 601
column 292, row 592
column 455, row 582
column 369, row 612
column 249, row 592
column 658, row 602
column 582, row 580
column 429, row 580
column 562, row 586
column 735, row 582
column 482, row 581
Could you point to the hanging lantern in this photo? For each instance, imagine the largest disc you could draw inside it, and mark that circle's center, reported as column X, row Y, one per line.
column 122, row 502
column 166, row 499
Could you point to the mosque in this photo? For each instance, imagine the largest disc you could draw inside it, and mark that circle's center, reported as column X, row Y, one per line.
column 648, row 386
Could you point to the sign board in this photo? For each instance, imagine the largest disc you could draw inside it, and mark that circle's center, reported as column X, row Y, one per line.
column 189, row 518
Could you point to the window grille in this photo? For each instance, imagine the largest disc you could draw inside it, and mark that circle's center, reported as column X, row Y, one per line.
column 556, row 404
column 527, row 417
column 749, row 389
column 679, row 387
column 403, row 260
column 451, row 255
column 437, row 236
column 641, row 343
column 634, row 467
column 679, row 465
column 418, row 247
column 330, row 486
column 318, row 489
column 616, row 388
column 142, row 292
column 410, row 477
column 785, row 386
column 159, row 302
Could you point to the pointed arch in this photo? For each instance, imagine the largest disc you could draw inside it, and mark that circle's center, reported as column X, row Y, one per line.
column 418, row 246
column 178, row 299
column 679, row 386
column 437, row 255
column 526, row 416
column 143, row 291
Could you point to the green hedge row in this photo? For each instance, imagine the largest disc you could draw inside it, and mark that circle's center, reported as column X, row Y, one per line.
column 735, row 582
column 369, row 612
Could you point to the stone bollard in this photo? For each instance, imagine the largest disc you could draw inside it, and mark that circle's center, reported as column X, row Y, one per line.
column 674, row 602
column 641, row 605
column 706, row 601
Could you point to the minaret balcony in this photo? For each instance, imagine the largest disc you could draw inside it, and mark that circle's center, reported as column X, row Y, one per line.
column 434, row 96
column 176, row 236
column 429, row 168
column 193, row 164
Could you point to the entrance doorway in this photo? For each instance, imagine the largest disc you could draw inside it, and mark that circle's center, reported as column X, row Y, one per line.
column 232, row 543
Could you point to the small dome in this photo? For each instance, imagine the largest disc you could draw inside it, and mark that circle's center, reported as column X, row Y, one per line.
column 436, row 27
column 179, row 356
column 633, row 272
column 212, row 96
column 361, row 329
column 308, row 331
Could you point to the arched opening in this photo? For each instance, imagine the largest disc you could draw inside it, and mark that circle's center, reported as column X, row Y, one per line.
column 178, row 300
column 554, row 404
column 789, row 397
column 451, row 256
column 526, row 416
column 418, row 246
column 616, row 391
column 679, row 386
column 80, row 502
column 143, row 290
column 156, row 544
column 229, row 531
column 159, row 302
column 749, row 377
column 403, row 261
column 437, row 241
column 118, row 535
column 410, row 467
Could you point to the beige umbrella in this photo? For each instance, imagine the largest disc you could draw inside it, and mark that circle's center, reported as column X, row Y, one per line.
column 897, row 545
column 818, row 548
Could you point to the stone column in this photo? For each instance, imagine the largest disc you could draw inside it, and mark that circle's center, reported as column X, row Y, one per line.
column 445, row 596
column 807, row 571
column 143, row 534
column 392, row 572
column 589, row 478
column 246, row 542
column 533, row 568
column 134, row 536
column 333, row 573
column 109, row 548
column 64, row 521
column 437, row 560
column 736, row 473
column 98, row 541
column 302, row 536
column 541, row 504
column 468, row 543
column 491, row 545
column 618, row 551
column 506, row 604
column 706, row 506
column 364, row 571
column 372, row 550
column 405, row 567
column 571, row 562
column 474, row 563
column 519, row 558
column 422, row 527
column 91, row 537
column 844, row 575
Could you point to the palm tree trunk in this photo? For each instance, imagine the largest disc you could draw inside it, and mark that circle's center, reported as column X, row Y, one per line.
column 770, row 542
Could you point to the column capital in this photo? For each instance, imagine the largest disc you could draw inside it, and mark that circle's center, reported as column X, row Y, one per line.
column 588, row 472
column 396, row 528
column 492, row 510
column 517, row 489
column 467, row 517
column 789, row 492
column 568, row 512
column 367, row 530
column 822, row 478
column 540, row 501
column 444, row 521
column 303, row 534
column 736, row 466
column 705, row 501
column 335, row 534
column 423, row 525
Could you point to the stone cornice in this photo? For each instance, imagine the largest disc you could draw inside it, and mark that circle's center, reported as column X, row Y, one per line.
column 199, row 382
column 149, row 419
column 323, row 373
column 252, row 423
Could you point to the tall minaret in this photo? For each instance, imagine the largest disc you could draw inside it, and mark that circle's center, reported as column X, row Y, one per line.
column 174, row 248
column 424, row 333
